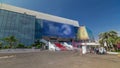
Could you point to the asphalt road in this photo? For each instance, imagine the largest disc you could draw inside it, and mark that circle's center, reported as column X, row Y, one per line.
column 64, row 59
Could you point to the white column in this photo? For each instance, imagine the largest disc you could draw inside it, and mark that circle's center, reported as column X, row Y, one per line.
column 84, row 49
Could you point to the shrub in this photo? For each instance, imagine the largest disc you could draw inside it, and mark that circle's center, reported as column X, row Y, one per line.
column 20, row 46
column 6, row 47
column 38, row 46
column 118, row 50
column 1, row 45
column 28, row 46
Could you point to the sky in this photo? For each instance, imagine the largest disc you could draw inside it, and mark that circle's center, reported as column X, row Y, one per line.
column 97, row 15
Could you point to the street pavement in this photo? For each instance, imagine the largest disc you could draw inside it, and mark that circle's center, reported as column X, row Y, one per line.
column 58, row 59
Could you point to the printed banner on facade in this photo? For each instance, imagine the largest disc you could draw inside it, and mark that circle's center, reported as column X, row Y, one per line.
column 58, row 29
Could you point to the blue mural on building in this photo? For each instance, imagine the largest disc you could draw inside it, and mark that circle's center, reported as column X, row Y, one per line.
column 58, row 29
column 90, row 34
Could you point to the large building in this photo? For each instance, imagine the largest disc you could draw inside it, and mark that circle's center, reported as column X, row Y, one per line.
column 28, row 25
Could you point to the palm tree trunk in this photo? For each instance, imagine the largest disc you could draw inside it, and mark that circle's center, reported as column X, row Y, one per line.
column 11, row 45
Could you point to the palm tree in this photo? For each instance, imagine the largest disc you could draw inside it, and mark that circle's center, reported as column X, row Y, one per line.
column 108, row 38
column 113, row 34
column 103, row 38
column 117, row 43
column 11, row 40
column 111, row 42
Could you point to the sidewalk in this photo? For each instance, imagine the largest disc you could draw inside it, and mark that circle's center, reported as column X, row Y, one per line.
column 115, row 53
column 19, row 50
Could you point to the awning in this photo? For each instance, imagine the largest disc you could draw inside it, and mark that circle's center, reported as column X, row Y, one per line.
column 91, row 43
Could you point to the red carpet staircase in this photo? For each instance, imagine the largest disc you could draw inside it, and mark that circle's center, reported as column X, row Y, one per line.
column 62, row 48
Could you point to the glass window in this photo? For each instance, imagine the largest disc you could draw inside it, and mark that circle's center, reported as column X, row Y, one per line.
column 20, row 25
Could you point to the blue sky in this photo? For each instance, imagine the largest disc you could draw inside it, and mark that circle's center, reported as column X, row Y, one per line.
column 97, row 15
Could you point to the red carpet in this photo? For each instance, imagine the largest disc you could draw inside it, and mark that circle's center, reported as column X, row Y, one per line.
column 62, row 48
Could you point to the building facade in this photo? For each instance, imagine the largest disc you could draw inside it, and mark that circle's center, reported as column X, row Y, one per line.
column 28, row 26
column 22, row 26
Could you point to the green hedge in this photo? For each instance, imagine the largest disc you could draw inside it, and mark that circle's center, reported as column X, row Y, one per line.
column 20, row 46
column 6, row 47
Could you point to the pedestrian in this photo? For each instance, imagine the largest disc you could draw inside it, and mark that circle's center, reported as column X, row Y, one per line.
column 96, row 50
